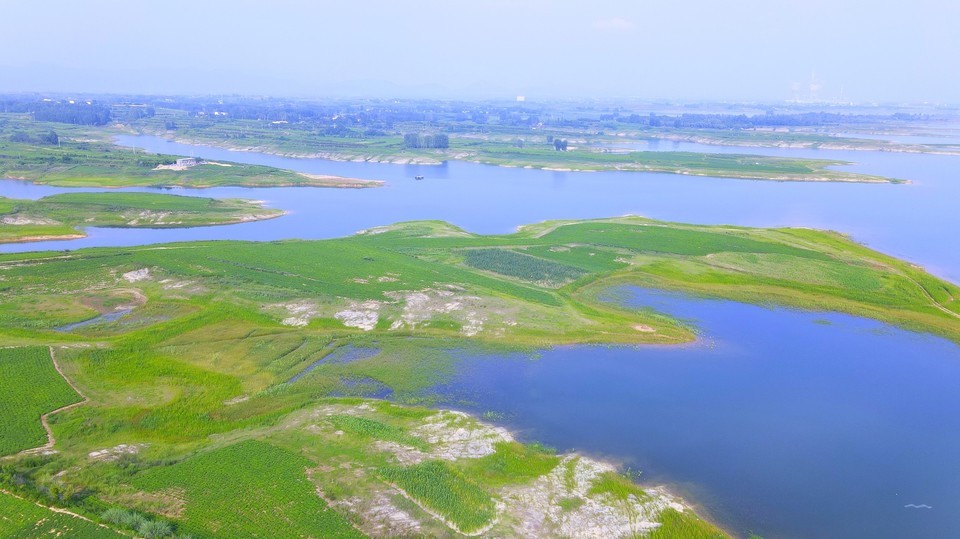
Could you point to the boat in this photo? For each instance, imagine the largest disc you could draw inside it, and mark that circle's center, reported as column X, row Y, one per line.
column 418, row 177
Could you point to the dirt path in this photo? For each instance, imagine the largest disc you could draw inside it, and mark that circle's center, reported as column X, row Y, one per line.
column 43, row 418
column 932, row 299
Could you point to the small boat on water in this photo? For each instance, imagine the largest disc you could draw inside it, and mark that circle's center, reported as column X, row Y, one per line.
column 418, row 177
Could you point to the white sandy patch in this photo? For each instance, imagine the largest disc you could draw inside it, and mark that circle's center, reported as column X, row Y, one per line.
column 300, row 313
column 18, row 219
column 113, row 453
column 538, row 512
column 405, row 455
column 363, row 315
column 456, row 435
column 137, row 275
column 379, row 516
column 420, row 306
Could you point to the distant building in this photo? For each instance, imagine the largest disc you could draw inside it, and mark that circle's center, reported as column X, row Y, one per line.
column 521, row 99
column 187, row 162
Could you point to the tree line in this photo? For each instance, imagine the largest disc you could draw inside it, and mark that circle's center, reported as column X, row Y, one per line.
column 420, row 140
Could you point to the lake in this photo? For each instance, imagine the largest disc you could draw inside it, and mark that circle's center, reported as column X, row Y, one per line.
column 778, row 422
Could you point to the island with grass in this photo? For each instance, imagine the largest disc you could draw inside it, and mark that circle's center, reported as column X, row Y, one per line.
column 63, row 216
column 69, row 155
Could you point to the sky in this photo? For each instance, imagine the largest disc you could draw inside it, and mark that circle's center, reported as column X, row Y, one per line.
column 769, row 50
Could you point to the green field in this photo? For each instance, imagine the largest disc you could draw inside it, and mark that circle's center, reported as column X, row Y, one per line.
column 444, row 490
column 21, row 519
column 63, row 215
column 29, row 387
column 247, row 490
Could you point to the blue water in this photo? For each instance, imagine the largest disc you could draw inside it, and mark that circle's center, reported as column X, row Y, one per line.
column 778, row 422
column 107, row 317
column 916, row 222
column 343, row 354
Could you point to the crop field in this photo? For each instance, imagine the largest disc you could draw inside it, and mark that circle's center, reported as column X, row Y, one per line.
column 445, row 491
column 245, row 490
column 21, row 519
column 29, row 387
column 521, row 266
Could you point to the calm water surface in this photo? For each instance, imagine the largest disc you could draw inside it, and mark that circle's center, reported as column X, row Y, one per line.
column 779, row 422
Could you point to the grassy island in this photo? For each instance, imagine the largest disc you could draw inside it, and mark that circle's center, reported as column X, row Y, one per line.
column 85, row 156
column 63, row 216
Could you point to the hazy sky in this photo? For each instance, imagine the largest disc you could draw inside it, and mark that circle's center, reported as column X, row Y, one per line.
column 873, row 50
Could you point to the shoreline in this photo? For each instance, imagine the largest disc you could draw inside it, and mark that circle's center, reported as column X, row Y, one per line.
column 473, row 158
column 825, row 145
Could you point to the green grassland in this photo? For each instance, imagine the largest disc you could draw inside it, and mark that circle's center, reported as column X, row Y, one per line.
column 200, row 376
column 86, row 157
column 495, row 149
column 61, row 216
column 446, row 491
column 753, row 167
column 29, row 388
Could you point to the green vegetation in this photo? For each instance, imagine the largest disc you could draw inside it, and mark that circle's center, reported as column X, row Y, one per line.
column 60, row 216
column 29, row 387
column 21, row 519
column 446, row 491
column 142, row 525
column 376, row 430
column 246, row 490
column 755, row 167
column 521, row 266
column 685, row 525
column 618, row 487
column 513, row 463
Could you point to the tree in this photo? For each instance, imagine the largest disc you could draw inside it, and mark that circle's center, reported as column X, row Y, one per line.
column 50, row 138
